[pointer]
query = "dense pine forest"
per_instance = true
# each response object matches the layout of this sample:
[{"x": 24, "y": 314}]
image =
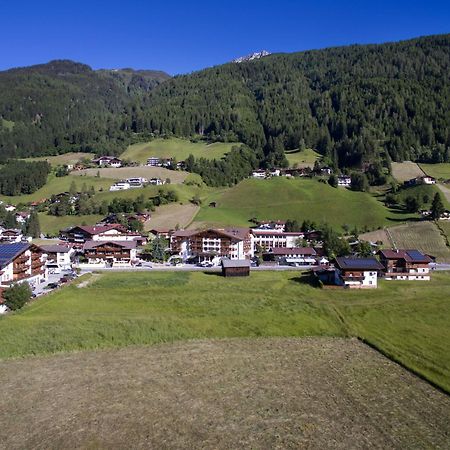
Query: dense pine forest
[
  {"x": 355, "y": 105},
  {"x": 61, "y": 106}
]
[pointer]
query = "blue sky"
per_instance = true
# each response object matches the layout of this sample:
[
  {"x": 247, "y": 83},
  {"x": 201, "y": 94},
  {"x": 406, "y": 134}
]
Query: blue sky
[{"x": 182, "y": 36}]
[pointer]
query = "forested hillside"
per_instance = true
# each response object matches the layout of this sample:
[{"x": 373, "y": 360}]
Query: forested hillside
[
  {"x": 353, "y": 104},
  {"x": 62, "y": 105}
]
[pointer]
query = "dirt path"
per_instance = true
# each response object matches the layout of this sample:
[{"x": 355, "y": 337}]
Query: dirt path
[
  {"x": 221, "y": 394},
  {"x": 445, "y": 191}
]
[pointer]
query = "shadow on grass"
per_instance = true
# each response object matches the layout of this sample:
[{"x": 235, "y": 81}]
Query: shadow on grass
[
  {"x": 305, "y": 279},
  {"x": 217, "y": 274}
]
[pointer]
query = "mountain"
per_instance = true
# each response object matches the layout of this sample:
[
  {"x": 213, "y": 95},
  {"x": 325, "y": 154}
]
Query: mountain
[
  {"x": 355, "y": 105},
  {"x": 252, "y": 56},
  {"x": 64, "y": 105}
]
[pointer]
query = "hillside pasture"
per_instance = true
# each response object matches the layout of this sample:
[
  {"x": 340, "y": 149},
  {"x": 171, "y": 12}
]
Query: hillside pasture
[
  {"x": 56, "y": 185},
  {"x": 234, "y": 393},
  {"x": 302, "y": 158},
  {"x": 176, "y": 148},
  {"x": 406, "y": 170},
  {"x": 167, "y": 217},
  {"x": 64, "y": 159},
  {"x": 51, "y": 225},
  {"x": 121, "y": 173},
  {"x": 424, "y": 236},
  {"x": 440, "y": 171},
  {"x": 281, "y": 198}
]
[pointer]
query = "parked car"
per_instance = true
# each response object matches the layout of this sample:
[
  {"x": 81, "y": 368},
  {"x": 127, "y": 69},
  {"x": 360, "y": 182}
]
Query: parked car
[{"x": 52, "y": 286}]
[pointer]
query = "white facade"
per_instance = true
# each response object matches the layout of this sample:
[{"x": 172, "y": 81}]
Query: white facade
[
  {"x": 120, "y": 186},
  {"x": 418, "y": 274},
  {"x": 275, "y": 238},
  {"x": 114, "y": 235},
  {"x": 368, "y": 280},
  {"x": 259, "y": 174}
]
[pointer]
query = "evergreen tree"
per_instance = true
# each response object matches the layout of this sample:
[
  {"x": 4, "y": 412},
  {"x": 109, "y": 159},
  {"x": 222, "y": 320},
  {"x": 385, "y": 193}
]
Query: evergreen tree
[
  {"x": 437, "y": 207},
  {"x": 33, "y": 227}
]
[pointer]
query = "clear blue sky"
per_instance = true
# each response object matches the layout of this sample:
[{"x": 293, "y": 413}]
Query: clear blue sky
[{"x": 181, "y": 36}]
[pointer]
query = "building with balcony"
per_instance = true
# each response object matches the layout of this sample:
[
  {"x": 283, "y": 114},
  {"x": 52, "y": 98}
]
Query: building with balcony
[
  {"x": 22, "y": 262},
  {"x": 358, "y": 272},
  {"x": 405, "y": 265},
  {"x": 110, "y": 253},
  {"x": 59, "y": 256}
]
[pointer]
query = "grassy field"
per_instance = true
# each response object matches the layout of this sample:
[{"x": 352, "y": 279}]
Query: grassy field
[
  {"x": 425, "y": 236},
  {"x": 175, "y": 176},
  {"x": 439, "y": 171},
  {"x": 221, "y": 394},
  {"x": 445, "y": 227},
  {"x": 406, "y": 170},
  {"x": 65, "y": 158},
  {"x": 8, "y": 124},
  {"x": 56, "y": 185},
  {"x": 167, "y": 217},
  {"x": 175, "y": 147},
  {"x": 408, "y": 320},
  {"x": 305, "y": 158},
  {"x": 281, "y": 198},
  {"x": 51, "y": 225}
]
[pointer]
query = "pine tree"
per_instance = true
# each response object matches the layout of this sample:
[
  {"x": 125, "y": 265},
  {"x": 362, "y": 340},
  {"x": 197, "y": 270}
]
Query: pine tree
[
  {"x": 437, "y": 207},
  {"x": 33, "y": 227}
]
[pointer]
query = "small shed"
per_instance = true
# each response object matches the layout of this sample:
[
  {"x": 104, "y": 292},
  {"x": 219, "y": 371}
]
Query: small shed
[{"x": 235, "y": 268}]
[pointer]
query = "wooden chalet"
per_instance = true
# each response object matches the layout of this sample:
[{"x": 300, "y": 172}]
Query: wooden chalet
[{"x": 235, "y": 268}]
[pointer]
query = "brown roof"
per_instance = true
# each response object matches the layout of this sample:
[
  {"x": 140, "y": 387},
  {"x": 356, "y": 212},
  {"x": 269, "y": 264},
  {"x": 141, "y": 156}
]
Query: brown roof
[
  {"x": 413, "y": 256},
  {"x": 88, "y": 245},
  {"x": 99, "y": 229}
]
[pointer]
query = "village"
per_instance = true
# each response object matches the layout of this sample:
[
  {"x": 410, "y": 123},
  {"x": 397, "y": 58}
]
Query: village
[{"x": 237, "y": 251}]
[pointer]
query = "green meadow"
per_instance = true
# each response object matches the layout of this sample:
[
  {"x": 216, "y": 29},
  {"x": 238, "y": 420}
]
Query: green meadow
[
  {"x": 409, "y": 321},
  {"x": 178, "y": 148},
  {"x": 282, "y": 198},
  {"x": 439, "y": 171},
  {"x": 303, "y": 158}
]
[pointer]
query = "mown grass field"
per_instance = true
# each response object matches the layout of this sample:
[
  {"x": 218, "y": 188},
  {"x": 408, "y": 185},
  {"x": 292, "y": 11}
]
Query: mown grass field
[
  {"x": 261, "y": 393},
  {"x": 281, "y": 198},
  {"x": 408, "y": 320},
  {"x": 425, "y": 236},
  {"x": 439, "y": 171},
  {"x": 176, "y": 148},
  {"x": 304, "y": 158},
  {"x": 121, "y": 173},
  {"x": 406, "y": 170}
]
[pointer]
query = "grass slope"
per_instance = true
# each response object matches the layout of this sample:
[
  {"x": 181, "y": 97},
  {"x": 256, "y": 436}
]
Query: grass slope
[
  {"x": 406, "y": 170},
  {"x": 175, "y": 147},
  {"x": 408, "y": 320},
  {"x": 439, "y": 171},
  {"x": 305, "y": 158},
  {"x": 57, "y": 185},
  {"x": 425, "y": 236},
  {"x": 65, "y": 158},
  {"x": 51, "y": 225},
  {"x": 281, "y": 198}
]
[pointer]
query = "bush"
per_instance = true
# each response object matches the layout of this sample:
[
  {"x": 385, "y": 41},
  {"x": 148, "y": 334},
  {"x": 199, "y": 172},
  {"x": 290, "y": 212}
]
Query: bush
[{"x": 17, "y": 295}]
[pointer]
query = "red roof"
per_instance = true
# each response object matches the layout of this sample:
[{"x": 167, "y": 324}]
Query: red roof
[
  {"x": 123, "y": 244},
  {"x": 99, "y": 229}
]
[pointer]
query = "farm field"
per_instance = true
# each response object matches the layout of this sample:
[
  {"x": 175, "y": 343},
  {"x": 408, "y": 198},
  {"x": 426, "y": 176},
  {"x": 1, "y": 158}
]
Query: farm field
[
  {"x": 425, "y": 236},
  {"x": 305, "y": 158},
  {"x": 406, "y": 170},
  {"x": 57, "y": 185},
  {"x": 445, "y": 227},
  {"x": 121, "y": 173},
  {"x": 65, "y": 158},
  {"x": 167, "y": 217},
  {"x": 233, "y": 393},
  {"x": 51, "y": 225},
  {"x": 281, "y": 198},
  {"x": 408, "y": 320},
  {"x": 178, "y": 148},
  {"x": 439, "y": 171}
]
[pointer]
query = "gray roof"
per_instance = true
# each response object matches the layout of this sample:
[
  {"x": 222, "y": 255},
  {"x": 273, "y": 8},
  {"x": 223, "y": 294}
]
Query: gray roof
[
  {"x": 358, "y": 264},
  {"x": 55, "y": 248},
  {"x": 228, "y": 263}
]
